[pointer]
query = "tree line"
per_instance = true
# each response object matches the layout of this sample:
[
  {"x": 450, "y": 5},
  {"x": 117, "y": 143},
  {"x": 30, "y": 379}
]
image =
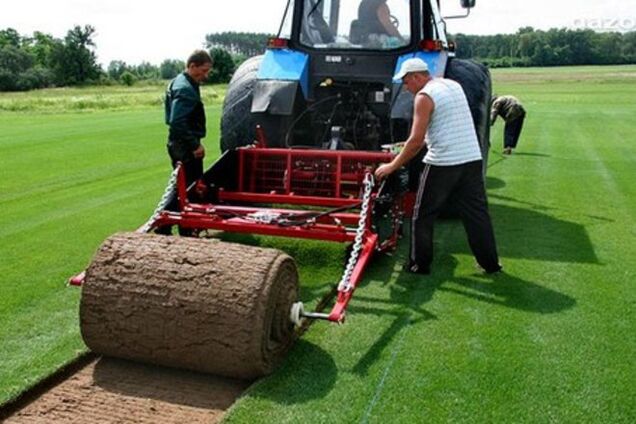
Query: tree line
[
  {"x": 527, "y": 47},
  {"x": 555, "y": 47},
  {"x": 40, "y": 60},
  {"x": 241, "y": 45}
]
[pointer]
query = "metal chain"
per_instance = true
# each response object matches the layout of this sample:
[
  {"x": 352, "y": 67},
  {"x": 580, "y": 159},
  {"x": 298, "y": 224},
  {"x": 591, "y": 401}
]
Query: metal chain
[
  {"x": 168, "y": 196},
  {"x": 344, "y": 284}
]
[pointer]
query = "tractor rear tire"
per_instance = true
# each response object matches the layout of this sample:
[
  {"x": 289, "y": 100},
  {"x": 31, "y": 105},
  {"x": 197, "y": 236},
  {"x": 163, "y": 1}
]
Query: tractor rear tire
[
  {"x": 476, "y": 82},
  {"x": 238, "y": 123},
  {"x": 237, "y": 127},
  {"x": 198, "y": 304}
]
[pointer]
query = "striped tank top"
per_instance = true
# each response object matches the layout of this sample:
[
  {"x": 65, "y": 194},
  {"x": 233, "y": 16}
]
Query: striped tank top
[{"x": 451, "y": 138}]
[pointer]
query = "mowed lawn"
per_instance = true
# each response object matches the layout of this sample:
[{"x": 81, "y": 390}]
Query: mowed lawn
[{"x": 550, "y": 340}]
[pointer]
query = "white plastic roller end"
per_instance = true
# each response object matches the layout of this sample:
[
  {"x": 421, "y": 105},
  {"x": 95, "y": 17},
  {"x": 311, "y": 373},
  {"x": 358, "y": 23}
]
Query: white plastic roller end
[{"x": 296, "y": 313}]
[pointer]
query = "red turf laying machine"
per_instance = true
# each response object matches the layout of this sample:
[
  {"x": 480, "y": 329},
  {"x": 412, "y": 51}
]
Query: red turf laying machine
[
  {"x": 319, "y": 194},
  {"x": 321, "y": 103},
  {"x": 231, "y": 308}
]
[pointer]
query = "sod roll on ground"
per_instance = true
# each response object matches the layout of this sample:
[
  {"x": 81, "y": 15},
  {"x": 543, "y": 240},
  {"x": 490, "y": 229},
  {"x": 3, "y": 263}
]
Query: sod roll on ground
[{"x": 204, "y": 305}]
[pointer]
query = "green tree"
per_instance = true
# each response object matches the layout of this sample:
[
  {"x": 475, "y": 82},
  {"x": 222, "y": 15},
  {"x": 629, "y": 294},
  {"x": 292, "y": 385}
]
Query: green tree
[
  {"x": 36, "y": 77},
  {"x": 17, "y": 72},
  {"x": 628, "y": 50},
  {"x": 609, "y": 48},
  {"x": 128, "y": 78},
  {"x": 15, "y": 60},
  {"x": 10, "y": 37},
  {"x": 549, "y": 48},
  {"x": 246, "y": 43},
  {"x": 116, "y": 68},
  {"x": 527, "y": 44},
  {"x": 40, "y": 46},
  {"x": 74, "y": 61},
  {"x": 223, "y": 66},
  {"x": 464, "y": 45},
  {"x": 582, "y": 46},
  {"x": 146, "y": 70},
  {"x": 170, "y": 68},
  {"x": 238, "y": 59}
]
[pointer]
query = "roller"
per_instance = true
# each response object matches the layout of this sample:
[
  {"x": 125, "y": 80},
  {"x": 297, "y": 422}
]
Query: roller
[{"x": 197, "y": 304}]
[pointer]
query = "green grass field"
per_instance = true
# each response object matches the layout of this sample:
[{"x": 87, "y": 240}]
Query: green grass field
[{"x": 551, "y": 340}]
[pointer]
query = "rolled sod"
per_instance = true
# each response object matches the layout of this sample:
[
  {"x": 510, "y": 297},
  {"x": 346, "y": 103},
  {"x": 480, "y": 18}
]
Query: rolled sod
[{"x": 198, "y": 304}]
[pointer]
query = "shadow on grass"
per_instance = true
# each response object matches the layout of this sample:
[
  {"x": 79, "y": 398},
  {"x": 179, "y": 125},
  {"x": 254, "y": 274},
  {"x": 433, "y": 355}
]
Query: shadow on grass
[
  {"x": 496, "y": 161},
  {"x": 526, "y": 231},
  {"x": 521, "y": 232},
  {"x": 532, "y": 205},
  {"x": 539, "y": 207},
  {"x": 493, "y": 183},
  {"x": 308, "y": 373},
  {"x": 409, "y": 293},
  {"x": 530, "y": 234},
  {"x": 502, "y": 289}
]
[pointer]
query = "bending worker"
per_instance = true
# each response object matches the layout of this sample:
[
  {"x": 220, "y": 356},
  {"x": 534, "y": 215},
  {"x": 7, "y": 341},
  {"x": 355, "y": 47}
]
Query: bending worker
[
  {"x": 512, "y": 112},
  {"x": 452, "y": 167},
  {"x": 185, "y": 115}
]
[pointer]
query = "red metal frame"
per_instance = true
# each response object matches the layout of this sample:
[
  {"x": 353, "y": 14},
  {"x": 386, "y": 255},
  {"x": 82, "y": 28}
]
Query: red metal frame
[{"x": 287, "y": 177}]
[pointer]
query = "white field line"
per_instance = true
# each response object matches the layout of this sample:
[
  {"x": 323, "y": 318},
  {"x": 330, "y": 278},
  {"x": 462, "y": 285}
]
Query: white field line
[{"x": 380, "y": 386}]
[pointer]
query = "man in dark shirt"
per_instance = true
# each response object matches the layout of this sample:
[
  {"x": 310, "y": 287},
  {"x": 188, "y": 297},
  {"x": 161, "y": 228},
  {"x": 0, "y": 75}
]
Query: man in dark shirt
[
  {"x": 375, "y": 18},
  {"x": 513, "y": 113},
  {"x": 185, "y": 115}
]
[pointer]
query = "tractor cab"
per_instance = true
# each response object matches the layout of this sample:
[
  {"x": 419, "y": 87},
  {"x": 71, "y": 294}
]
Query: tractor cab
[
  {"x": 357, "y": 25},
  {"x": 381, "y": 26}
]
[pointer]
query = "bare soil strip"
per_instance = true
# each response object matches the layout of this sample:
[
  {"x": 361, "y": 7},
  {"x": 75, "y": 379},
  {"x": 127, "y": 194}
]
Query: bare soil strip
[
  {"x": 94, "y": 389},
  {"x": 108, "y": 390}
]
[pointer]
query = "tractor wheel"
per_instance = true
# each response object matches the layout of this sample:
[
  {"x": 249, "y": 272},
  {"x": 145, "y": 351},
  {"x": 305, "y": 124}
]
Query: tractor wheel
[
  {"x": 475, "y": 80},
  {"x": 198, "y": 304},
  {"x": 237, "y": 128},
  {"x": 238, "y": 123}
]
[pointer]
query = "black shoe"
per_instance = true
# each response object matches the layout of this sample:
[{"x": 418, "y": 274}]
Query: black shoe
[
  {"x": 494, "y": 270},
  {"x": 414, "y": 268}
]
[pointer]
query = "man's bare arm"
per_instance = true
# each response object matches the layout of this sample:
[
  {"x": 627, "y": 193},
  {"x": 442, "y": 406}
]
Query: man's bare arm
[{"x": 423, "y": 108}]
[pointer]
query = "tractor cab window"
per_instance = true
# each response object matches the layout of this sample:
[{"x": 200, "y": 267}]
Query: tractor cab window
[{"x": 356, "y": 24}]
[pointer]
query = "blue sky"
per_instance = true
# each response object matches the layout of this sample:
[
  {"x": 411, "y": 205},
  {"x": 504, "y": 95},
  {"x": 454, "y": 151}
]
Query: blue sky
[{"x": 153, "y": 30}]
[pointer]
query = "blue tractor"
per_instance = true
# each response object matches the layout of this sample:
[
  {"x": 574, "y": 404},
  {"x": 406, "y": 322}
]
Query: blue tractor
[{"x": 325, "y": 81}]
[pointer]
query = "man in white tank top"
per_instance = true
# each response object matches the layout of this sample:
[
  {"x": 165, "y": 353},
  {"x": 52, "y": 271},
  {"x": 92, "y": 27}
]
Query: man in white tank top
[{"x": 452, "y": 167}]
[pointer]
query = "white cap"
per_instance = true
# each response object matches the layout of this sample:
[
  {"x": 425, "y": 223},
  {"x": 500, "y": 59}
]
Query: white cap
[{"x": 414, "y": 64}]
